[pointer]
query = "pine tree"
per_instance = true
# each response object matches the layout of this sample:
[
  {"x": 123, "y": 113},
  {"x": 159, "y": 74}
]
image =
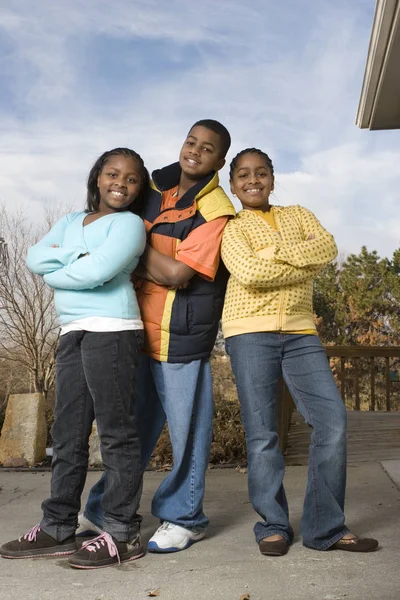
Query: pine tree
[
  {"x": 370, "y": 289},
  {"x": 329, "y": 309}
]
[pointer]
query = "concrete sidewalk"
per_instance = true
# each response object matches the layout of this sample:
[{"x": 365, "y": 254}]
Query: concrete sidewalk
[{"x": 227, "y": 564}]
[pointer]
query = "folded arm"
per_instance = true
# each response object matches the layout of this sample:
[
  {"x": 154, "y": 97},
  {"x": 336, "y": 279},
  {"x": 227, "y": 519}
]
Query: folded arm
[
  {"x": 48, "y": 255},
  {"x": 164, "y": 269},
  {"x": 317, "y": 249},
  {"x": 125, "y": 243},
  {"x": 252, "y": 271},
  {"x": 199, "y": 253}
]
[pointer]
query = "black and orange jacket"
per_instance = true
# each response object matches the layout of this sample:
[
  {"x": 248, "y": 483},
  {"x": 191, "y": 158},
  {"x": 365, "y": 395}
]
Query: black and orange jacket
[{"x": 181, "y": 325}]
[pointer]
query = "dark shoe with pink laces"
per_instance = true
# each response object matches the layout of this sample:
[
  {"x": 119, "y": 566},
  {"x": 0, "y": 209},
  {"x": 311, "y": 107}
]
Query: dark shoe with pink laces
[
  {"x": 36, "y": 543},
  {"x": 106, "y": 551}
]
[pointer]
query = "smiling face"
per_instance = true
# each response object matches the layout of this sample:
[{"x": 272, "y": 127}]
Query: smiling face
[
  {"x": 119, "y": 183},
  {"x": 201, "y": 153},
  {"x": 252, "y": 181}
]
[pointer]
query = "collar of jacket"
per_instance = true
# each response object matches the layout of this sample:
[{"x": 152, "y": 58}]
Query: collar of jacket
[{"x": 169, "y": 176}]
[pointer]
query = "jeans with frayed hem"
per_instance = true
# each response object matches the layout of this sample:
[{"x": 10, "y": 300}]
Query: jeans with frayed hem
[
  {"x": 258, "y": 361},
  {"x": 96, "y": 380}
]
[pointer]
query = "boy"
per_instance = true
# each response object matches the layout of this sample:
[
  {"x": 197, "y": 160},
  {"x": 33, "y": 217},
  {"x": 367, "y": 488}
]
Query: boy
[{"x": 180, "y": 289}]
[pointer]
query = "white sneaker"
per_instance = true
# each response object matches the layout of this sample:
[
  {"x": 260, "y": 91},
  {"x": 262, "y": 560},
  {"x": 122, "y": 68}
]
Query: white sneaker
[
  {"x": 172, "y": 538},
  {"x": 86, "y": 528}
]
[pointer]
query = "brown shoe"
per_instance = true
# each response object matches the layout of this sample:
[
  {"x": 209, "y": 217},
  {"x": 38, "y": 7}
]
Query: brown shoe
[
  {"x": 356, "y": 544},
  {"x": 278, "y": 548}
]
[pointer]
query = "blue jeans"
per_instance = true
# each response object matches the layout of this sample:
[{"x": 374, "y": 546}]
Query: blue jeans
[
  {"x": 258, "y": 361},
  {"x": 95, "y": 379},
  {"x": 180, "y": 393}
]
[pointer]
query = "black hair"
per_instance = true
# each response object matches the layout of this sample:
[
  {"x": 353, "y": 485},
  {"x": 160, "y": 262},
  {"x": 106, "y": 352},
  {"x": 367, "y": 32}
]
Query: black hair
[
  {"x": 219, "y": 129},
  {"x": 265, "y": 156},
  {"x": 93, "y": 194}
]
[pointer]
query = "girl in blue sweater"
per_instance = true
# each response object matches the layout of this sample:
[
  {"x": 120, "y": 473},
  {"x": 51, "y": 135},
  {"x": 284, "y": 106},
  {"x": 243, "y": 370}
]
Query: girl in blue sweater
[{"x": 88, "y": 258}]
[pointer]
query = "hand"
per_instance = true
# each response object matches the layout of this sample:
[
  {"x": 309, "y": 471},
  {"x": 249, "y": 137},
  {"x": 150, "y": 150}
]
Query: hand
[
  {"x": 311, "y": 237},
  {"x": 55, "y": 246}
]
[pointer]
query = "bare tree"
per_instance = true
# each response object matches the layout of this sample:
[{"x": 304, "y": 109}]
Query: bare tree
[
  {"x": 3, "y": 254},
  {"x": 28, "y": 321}
]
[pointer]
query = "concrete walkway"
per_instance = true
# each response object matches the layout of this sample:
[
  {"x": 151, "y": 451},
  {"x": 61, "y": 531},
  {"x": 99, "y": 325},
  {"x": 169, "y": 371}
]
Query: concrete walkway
[{"x": 227, "y": 564}]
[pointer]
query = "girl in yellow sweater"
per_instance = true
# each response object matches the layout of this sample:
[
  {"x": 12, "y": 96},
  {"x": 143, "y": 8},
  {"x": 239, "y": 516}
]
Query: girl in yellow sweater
[{"x": 273, "y": 253}]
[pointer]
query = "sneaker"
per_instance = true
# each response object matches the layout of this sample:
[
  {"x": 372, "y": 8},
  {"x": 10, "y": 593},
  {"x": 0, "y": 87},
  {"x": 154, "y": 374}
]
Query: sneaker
[
  {"x": 86, "y": 528},
  {"x": 173, "y": 538},
  {"x": 37, "y": 543},
  {"x": 105, "y": 551}
]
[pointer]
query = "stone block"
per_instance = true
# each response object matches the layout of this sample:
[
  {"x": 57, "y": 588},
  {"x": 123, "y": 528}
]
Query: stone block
[
  {"x": 24, "y": 431},
  {"x": 15, "y": 463}
]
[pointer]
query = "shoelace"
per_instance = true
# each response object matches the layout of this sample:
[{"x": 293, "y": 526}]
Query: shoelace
[
  {"x": 99, "y": 542},
  {"x": 164, "y": 527},
  {"x": 31, "y": 534}
]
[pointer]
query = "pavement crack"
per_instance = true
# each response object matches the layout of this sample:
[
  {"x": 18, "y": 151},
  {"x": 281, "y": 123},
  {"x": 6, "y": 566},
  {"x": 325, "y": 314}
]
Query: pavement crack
[{"x": 23, "y": 495}]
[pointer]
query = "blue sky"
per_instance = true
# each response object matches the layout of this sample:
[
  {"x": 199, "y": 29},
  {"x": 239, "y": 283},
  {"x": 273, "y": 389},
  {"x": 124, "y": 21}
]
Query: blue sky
[{"x": 79, "y": 77}]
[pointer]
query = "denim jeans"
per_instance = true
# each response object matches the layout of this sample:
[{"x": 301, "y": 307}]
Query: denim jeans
[
  {"x": 258, "y": 361},
  {"x": 95, "y": 379},
  {"x": 180, "y": 393}
]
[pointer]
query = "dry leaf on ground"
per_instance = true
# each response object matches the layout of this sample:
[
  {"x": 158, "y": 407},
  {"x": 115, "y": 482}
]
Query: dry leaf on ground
[
  {"x": 241, "y": 470},
  {"x": 245, "y": 597},
  {"x": 153, "y": 593}
]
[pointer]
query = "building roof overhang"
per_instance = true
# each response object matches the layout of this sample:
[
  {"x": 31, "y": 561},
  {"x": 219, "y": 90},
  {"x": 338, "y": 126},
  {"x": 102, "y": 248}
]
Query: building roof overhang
[{"x": 379, "y": 106}]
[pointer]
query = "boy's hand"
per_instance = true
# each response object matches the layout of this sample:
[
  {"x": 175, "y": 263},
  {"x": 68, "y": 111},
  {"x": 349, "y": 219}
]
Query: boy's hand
[
  {"x": 311, "y": 237},
  {"x": 55, "y": 246}
]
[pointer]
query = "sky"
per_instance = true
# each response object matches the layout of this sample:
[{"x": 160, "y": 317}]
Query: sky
[{"x": 79, "y": 77}]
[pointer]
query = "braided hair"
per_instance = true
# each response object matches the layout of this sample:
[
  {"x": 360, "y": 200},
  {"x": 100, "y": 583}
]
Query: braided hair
[
  {"x": 93, "y": 194},
  {"x": 233, "y": 165}
]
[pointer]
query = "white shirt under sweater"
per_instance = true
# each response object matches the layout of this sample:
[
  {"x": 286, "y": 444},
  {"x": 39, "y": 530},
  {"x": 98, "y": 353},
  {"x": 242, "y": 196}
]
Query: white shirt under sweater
[{"x": 102, "y": 325}]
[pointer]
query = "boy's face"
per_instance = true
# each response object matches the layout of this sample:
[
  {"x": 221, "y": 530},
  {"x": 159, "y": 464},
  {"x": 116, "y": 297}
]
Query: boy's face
[{"x": 201, "y": 153}]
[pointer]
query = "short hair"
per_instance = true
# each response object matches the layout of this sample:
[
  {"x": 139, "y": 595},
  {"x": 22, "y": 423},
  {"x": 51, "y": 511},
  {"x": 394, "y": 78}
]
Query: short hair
[
  {"x": 265, "y": 156},
  {"x": 219, "y": 129},
  {"x": 93, "y": 194}
]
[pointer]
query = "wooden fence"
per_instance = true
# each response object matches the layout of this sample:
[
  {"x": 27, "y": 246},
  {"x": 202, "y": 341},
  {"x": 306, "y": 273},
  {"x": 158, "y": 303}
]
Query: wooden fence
[{"x": 351, "y": 355}]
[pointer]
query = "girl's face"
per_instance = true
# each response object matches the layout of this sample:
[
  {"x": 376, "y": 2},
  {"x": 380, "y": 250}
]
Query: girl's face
[
  {"x": 119, "y": 183},
  {"x": 252, "y": 181}
]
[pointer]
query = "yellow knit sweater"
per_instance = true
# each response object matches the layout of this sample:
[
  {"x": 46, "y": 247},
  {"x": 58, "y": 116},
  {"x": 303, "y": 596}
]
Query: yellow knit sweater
[{"x": 272, "y": 271}]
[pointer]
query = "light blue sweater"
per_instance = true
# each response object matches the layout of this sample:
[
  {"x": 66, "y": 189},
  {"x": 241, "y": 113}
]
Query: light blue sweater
[{"x": 97, "y": 285}]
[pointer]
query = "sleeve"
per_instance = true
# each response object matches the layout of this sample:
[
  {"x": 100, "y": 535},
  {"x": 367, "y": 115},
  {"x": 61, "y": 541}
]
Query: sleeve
[
  {"x": 42, "y": 258},
  {"x": 125, "y": 242},
  {"x": 246, "y": 266},
  {"x": 201, "y": 249},
  {"x": 319, "y": 251}
]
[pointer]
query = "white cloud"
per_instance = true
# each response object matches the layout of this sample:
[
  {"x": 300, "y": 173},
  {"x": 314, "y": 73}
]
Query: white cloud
[
  {"x": 285, "y": 77},
  {"x": 353, "y": 192}
]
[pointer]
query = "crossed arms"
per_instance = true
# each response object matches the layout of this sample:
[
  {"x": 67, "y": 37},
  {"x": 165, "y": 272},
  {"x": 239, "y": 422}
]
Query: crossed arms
[
  {"x": 75, "y": 268},
  {"x": 280, "y": 264}
]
